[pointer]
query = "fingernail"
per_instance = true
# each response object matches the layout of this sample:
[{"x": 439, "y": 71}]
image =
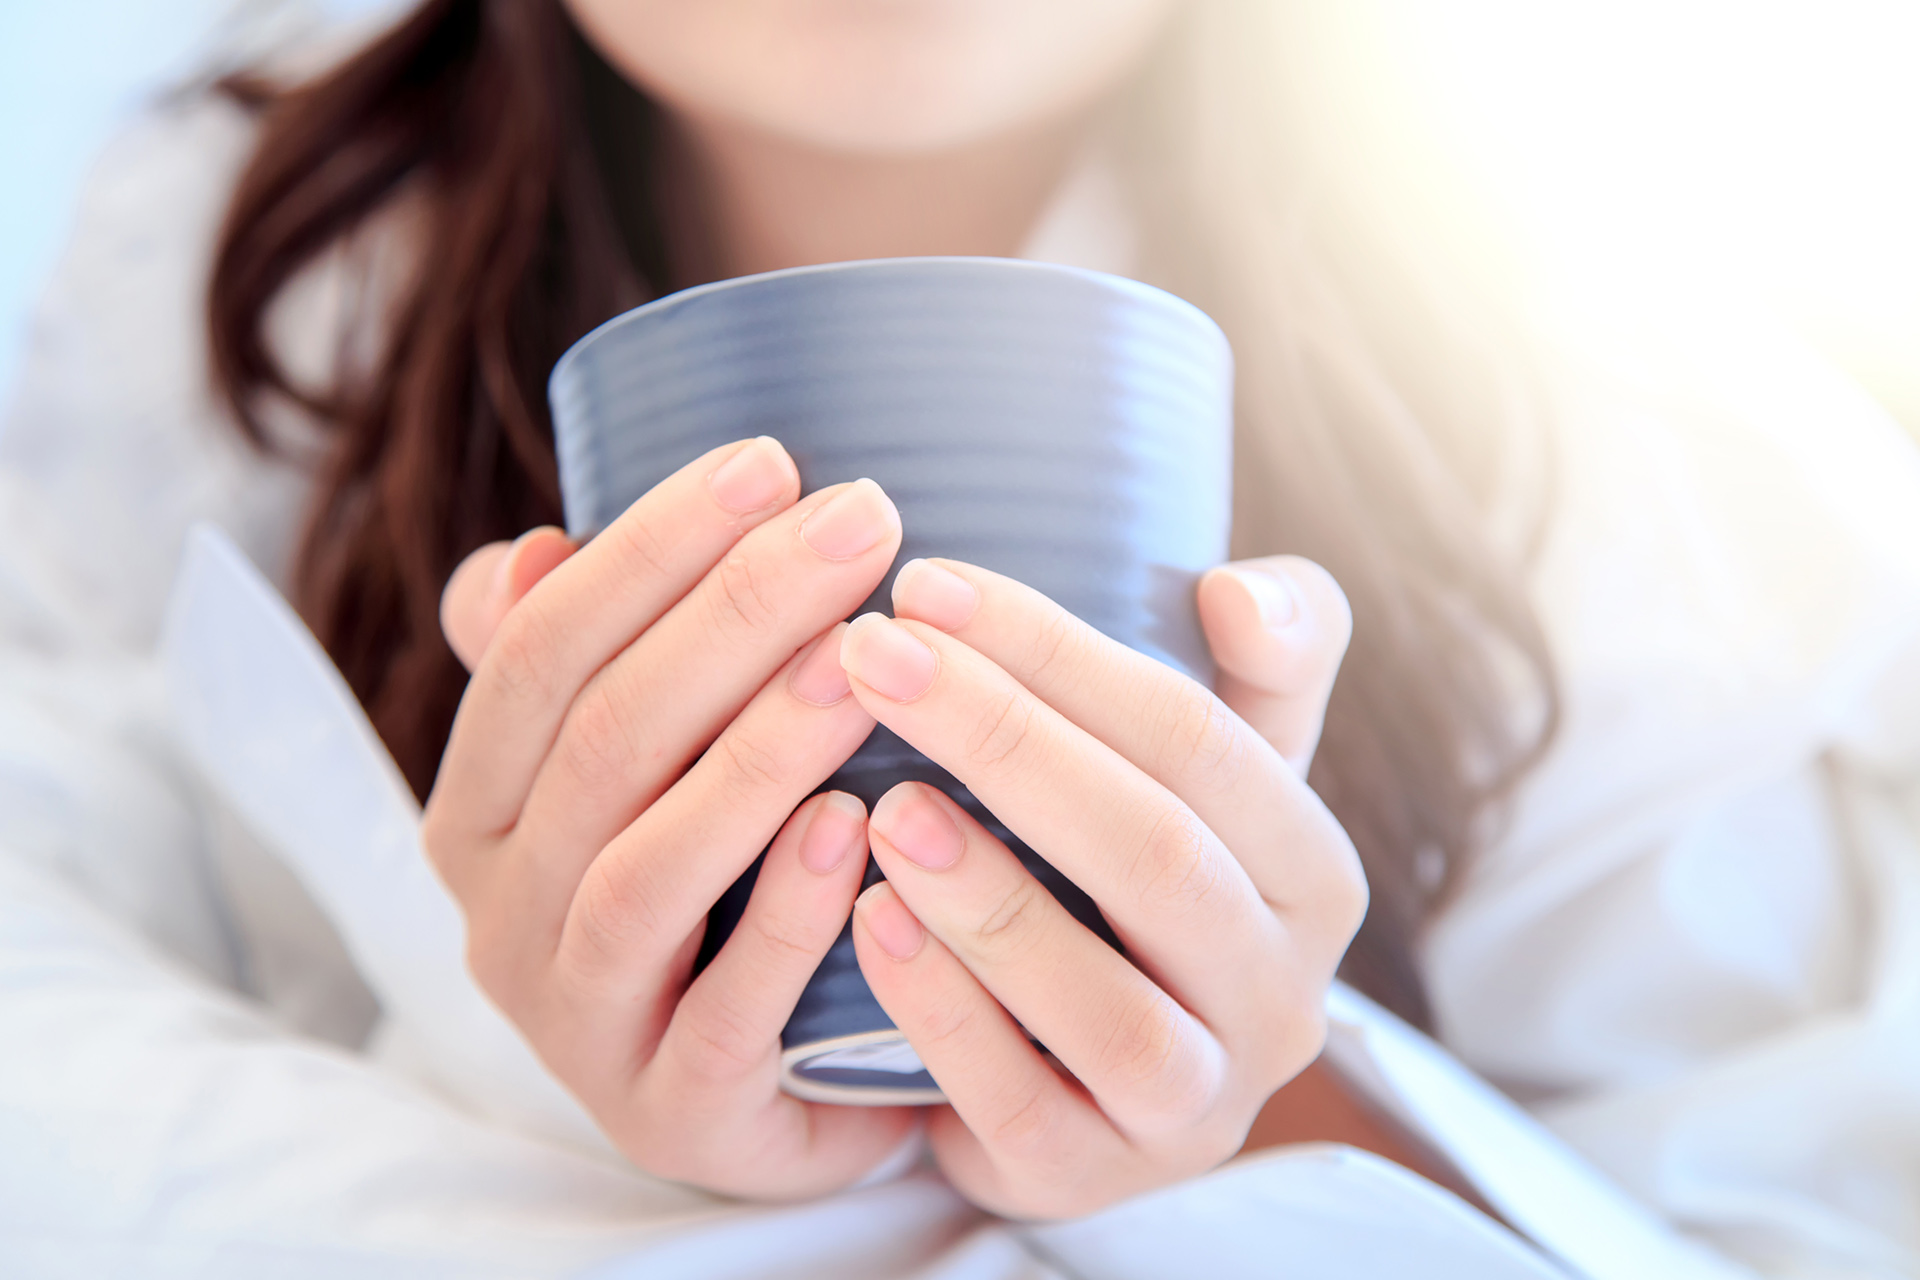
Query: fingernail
[
  {"x": 914, "y": 823},
  {"x": 503, "y": 568},
  {"x": 831, "y": 832},
  {"x": 857, "y": 519},
  {"x": 1273, "y": 597},
  {"x": 887, "y": 658},
  {"x": 890, "y": 923},
  {"x": 934, "y": 594},
  {"x": 757, "y": 474},
  {"x": 502, "y": 572},
  {"x": 818, "y": 677}
]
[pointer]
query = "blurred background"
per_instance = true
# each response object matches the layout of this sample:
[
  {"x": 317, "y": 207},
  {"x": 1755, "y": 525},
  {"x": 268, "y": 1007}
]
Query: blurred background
[
  {"x": 1642, "y": 155},
  {"x": 71, "y": 73}
]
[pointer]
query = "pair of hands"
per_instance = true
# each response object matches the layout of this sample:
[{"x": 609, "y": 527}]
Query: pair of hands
[{"x": 650, "y": 711}]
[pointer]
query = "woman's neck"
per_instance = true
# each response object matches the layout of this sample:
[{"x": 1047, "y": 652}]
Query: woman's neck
[{"x": 760, "y": 202}]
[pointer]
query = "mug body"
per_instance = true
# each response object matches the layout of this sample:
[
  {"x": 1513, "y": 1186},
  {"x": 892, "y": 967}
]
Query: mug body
[{"x": 1068, "y": 429}]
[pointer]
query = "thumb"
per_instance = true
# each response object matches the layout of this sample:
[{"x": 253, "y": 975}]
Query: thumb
[
  {"x": 1278, "y": 628},
  {"x": 490, "y": 581}
]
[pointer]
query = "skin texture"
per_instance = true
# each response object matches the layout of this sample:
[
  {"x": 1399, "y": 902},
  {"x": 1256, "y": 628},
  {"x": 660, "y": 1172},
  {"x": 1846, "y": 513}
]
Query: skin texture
[
  {"x": 1233, "y": 889},
  {"x": 649, "y": 711}
]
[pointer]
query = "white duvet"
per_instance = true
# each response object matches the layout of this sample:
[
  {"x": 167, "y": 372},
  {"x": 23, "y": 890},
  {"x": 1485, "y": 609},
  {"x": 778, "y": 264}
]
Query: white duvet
[{"x": 235, "y": 1037}]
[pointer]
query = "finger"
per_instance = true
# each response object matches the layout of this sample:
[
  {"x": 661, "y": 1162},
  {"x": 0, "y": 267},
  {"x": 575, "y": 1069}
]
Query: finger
[
  {"x": 1019, "y": 1119},
  {"x": 727, "y": 1025},
  {"x": 491, "y": 581},
  {"x": 1164, "y": 881},
  {"x": 1170, "y": 727},
  {"x": 1278, "y": 628},
  {"x": 1150, "y": 1066},
  {"x": 620, "y": 936},
  {"x": 650, "y": 711},
  {"x": 716, "y": 1071},
  {"x": 582, "y": 614}
]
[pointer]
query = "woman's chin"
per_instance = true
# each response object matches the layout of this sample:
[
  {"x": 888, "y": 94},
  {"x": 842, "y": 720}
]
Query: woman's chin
[{"x": 877, "y": 77}]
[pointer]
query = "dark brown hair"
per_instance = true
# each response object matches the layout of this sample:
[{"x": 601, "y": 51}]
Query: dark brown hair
[{"x": 482, "y": 127}]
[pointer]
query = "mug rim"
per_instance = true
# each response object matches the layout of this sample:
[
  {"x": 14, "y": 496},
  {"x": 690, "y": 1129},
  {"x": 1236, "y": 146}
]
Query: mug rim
[{"x": 1126, "y": 285}]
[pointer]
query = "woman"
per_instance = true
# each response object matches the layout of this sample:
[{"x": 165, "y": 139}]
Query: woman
[{"x": 418, "y": 232}]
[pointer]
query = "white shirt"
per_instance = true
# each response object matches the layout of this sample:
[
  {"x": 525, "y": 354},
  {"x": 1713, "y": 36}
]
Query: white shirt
[{"x": 1693, "y": 953}]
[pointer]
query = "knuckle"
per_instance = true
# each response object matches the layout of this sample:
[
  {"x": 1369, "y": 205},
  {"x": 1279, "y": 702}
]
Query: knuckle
[
  {"x": 1140, "y": 1044},
  {"x": 1182, "y": 871},
  {"x": 596, "y": 743},
  {"x": 640, "y": 542},
  {"x": 723, "y": 1042},
  {"x": 788, "y": 941},
  {"x": 1026, "y": 1130},
  {"x": 612, "y": 915},
  {"x": 1150, "y": 1059},
  {"x": 750, "y": 766},
  {"x": 1206, "y": 736},
  {"x": 739, "y": 598},
  {"x": 1002, "y": 731},
  {"x": 523, "y": 663},
  {"x": 1051, "y": 643},
  {"x": 945, "y": 1023},
  {"x": 1010, "y": 922}
]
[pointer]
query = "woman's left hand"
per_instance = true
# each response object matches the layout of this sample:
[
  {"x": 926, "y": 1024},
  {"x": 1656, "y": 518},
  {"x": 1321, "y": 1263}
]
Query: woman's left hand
[{"x": 1183, "y": 814}]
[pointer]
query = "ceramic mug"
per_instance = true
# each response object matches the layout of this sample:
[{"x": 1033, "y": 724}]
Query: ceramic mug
[{"x": 1066, "y": 428}]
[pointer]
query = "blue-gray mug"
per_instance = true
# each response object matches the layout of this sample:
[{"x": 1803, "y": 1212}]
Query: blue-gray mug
[{"x": 1066, "y": 428}]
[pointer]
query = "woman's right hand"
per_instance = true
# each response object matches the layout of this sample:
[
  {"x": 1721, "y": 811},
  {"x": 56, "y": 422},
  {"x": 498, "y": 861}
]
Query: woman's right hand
[{"x": 646, "y": 714}]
